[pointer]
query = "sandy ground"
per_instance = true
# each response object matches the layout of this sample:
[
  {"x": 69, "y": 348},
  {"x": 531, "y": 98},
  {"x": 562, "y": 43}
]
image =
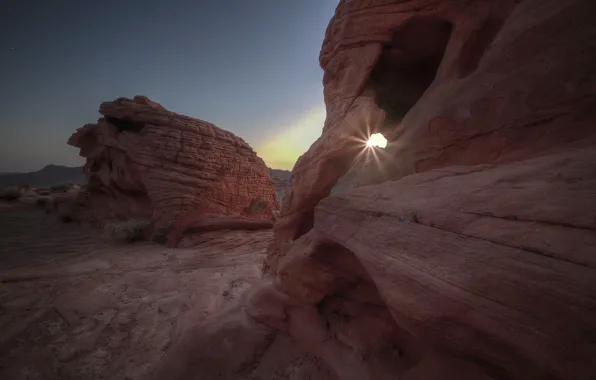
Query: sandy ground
[{"x": 74, "y": 305}]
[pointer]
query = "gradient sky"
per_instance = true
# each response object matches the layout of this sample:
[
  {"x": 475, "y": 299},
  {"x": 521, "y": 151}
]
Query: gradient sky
[{"x": 248, "y": 66}]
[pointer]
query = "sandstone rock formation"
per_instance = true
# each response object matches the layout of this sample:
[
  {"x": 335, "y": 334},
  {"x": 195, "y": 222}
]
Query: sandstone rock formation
[
  {"x": 470, "y": 254},
  {"x": 145, "y": 161},
  {"x": 478, "y": 82}
]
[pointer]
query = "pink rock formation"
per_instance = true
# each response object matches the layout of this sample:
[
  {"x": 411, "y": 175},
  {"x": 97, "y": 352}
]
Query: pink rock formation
[
  {"x": 481, "y": 271},
  {"x": 145, "y": 161},
  {"x": 470, "y": 255},
  {"x": 490, "y": 263},
  {"x": 478, "y": 82}
]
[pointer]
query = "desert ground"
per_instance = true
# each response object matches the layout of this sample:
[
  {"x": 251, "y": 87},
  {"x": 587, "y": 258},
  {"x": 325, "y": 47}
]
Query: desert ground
[
  {"x": 462, "y": 248},
  {"x": 76, "y": 305}
]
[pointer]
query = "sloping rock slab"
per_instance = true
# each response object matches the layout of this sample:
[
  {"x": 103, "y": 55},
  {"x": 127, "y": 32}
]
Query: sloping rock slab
[{"x": 494, "y": 264}]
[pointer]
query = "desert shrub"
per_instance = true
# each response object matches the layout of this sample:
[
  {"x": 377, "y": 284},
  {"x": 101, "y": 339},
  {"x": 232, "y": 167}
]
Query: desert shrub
[
  {"x": 81, "y": 198},
  {"x": 65, "y": 217},
  {"x": 192, "y": 230},
  {"x": 128, "y": 230},
  {"x": 160, "y": 239},
  {"x": 161, "y": 235},
  {"x": 63, "y": 187},
  {"x": 258, "y": 205},
  {"x": 43, "y": 201},
  {"x": 11, "y": 193}
]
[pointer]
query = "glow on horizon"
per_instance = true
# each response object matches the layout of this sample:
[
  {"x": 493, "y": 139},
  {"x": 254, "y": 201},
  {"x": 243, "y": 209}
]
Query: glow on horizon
[{"x": 281, "y": 150}]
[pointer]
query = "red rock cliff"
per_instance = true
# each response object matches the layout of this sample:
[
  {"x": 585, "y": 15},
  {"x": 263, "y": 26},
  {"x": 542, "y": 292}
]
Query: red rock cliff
[{"x": 145, "y": 161}]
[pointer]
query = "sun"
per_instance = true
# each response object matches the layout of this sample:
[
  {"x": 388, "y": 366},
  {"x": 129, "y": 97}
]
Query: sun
[{"x": 376, "y": 139}]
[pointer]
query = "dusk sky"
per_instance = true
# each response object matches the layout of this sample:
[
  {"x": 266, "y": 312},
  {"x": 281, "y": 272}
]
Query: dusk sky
[{"x": 248, "y": 66}]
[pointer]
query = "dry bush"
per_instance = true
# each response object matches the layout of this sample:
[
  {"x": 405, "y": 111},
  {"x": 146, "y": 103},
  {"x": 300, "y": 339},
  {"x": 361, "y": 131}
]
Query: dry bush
[
  {"x": 43, "y": 201},
  {"x": 81, "y": 198},
  {"x": 11, "y": 193},
  {"x": 65, "y": 217},
  {"x": 29, "y": 193},
  {"x": 161, "y": 235},
  {"x": 128, "y": 231},
  {"x": 65, "y": 206},
  {"x": 61, "y": 188},
  {"x": 258, "y": 205}
]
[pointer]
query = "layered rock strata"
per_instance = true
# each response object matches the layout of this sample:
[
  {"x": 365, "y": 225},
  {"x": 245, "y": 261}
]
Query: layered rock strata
[
  {"x": 448, "y": 83},
  {"x": 145, "y": 161},
  {"x": 468, "y": 250}
]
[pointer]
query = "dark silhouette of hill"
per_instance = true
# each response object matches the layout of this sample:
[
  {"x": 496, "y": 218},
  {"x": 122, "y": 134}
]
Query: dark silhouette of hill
[{"x": 48, "y": 176}]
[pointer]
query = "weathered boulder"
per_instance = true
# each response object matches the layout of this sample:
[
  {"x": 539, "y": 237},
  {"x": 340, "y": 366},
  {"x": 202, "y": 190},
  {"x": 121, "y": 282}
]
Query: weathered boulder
[{"x": 145, "y": 161}]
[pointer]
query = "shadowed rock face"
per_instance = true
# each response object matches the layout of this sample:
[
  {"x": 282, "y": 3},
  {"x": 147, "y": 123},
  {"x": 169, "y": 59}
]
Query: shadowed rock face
[
  {"x": 145, "y": 161},
  {"x": 467, "y": 250},
  {"x": 448, "y": 83}
]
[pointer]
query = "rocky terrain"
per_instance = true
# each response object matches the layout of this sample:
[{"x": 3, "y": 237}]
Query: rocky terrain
[
  {"x": 144, "y": 161},
  {"x": 467, "y": 251},
  {"x": 75, "y": 305},
  {"x": 464, "y": 250}
]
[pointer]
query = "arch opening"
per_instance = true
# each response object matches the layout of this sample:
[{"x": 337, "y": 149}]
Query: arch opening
[
  {"x": 376, "y": 140},
  {"x": 125, "y": 125},
  {"x": 405, "y": 70}
]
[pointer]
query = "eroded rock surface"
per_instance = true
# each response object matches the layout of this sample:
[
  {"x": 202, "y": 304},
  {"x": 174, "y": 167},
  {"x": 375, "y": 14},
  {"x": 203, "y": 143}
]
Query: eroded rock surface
[
  {"x": 448, "y": 83},
  {"x": 75, "y": 305},
  {"x": 468, "y": 251},
  {"x": 478, "y": 272},
  {"x": 145, "y": 161},
  {"x": 492, "y": 263}
]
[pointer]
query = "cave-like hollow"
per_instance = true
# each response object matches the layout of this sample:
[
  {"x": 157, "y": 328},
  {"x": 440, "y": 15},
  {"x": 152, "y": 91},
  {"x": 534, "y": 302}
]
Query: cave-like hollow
[
  {"x": 408, "y": 65},
  {"x": 357, "y": 317},
  {"x": 405, "y": 70},
  {"x": 125, "y": 125}
]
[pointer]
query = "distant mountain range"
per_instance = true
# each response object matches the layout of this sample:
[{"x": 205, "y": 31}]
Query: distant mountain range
[
  {"x": 48, "y": 176},
  {"x": 56, "y": 174}
]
